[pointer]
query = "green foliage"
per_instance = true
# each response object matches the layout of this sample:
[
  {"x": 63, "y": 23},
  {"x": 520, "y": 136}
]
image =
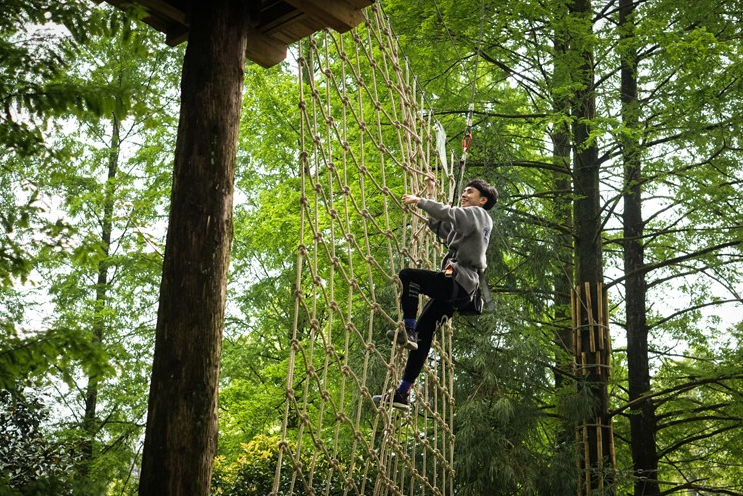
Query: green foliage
[
  {"x": 33, "y": 55},
  {"x": 86, "y": 237},
  {"x": 254, "y": 470},
  {"x": 31, "y": 464},
  {"x": 23, "y": 226},
  {"x": 22, "y": 359},
  {"x": 699, "y": 415}
]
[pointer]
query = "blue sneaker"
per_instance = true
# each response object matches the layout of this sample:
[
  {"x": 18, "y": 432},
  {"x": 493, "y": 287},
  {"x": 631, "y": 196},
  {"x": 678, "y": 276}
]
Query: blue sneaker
[{"x": 398, "y": 400}]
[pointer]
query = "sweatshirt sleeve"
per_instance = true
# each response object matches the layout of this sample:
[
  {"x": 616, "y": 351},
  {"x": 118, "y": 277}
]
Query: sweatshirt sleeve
[{"x": 462, "y": 219}]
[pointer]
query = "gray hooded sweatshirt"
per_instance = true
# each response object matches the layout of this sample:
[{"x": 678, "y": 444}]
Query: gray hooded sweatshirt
[{"x": 466, "y": 231}]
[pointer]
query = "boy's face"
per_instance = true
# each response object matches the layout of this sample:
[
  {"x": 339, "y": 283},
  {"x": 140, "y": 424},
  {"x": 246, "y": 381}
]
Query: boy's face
[{"x": 471, "y": 197}]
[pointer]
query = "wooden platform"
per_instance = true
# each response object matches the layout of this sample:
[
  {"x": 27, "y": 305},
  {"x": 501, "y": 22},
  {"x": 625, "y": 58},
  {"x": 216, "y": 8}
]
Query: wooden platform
[{"x": 275, "y": 24}]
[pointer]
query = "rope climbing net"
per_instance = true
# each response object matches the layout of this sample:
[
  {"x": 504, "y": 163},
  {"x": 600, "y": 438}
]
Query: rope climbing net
[{"x": 365, "y": 140}]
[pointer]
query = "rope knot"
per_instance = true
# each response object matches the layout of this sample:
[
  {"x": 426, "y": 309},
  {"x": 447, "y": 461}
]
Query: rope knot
[{"x": 304, "y": 419}]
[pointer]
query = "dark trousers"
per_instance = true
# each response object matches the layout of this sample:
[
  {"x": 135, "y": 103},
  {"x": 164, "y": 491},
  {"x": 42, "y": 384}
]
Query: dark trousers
[{"x": 440, "y": 288}]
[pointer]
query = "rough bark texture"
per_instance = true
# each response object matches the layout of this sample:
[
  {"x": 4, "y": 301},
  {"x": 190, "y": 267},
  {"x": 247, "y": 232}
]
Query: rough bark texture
[
  {"x": 596, "y": 431},
  {"x": 589, "y": 252},
  {"x": 181, "y": 433},
  {"x": 642, "y": 413},
  {"x": 563, "y": 277}
]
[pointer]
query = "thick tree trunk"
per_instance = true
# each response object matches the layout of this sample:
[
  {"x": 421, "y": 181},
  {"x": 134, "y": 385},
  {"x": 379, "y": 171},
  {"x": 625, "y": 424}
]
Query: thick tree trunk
[
  {"x": 181, "y": 433},
  {"x": 592, "y": 352},
  {"x": 563, "y": 277},
  {"x": 642, "y": 412},
  {"x": 587, "y": 205}
]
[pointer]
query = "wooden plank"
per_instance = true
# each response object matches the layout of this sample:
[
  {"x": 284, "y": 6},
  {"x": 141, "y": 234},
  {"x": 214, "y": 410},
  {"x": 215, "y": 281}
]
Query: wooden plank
[
  {"x": 171, "y": 10},
  {"x": 360, "y": 4},
  {"x": 612, "y": 453},
  {"x": 589, "y": 318},
  {"x": 176, "y": 35},
  {"x": 600, "y": 309},
  {"x": 299, "y": 28},
  {"x": 607, "y": 332},
  {"x": 276, "y": 25},
  {"x": 587, "y": 459},
  {"x": 600, "y": 451},
  {"x": 274, "y": 18},
  {"x": 336, "y": 14},
  {"x": 264, "y": 50}
]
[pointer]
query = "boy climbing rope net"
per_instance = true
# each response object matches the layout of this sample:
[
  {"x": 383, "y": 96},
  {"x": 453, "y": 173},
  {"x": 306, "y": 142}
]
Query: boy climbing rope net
[{"x": 466, "y": 231}]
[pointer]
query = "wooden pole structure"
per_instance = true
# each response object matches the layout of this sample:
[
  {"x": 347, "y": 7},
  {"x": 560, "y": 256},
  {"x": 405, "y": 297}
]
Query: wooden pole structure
[{"x": 592, "y": 352}]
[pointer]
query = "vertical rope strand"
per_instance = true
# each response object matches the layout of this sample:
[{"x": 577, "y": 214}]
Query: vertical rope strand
[{"x": 364, "y": 141}]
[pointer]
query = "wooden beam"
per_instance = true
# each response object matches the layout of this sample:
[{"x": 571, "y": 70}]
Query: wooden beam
[
  {"x": 290, "y": 33},
  {"x": 164, "y": 16},
  {"x": 264, "y": 50},
  {"x": 176, "y": 35},
  {"x": 336, "y": 14},
  {"x": 163, "y": 9},
  {"x": 277, "y": 24},
  {"x": 360, "y": 4}
]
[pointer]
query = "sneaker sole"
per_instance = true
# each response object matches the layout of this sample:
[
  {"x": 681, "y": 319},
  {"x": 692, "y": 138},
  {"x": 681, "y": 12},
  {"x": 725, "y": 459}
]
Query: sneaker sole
[
  {"x": 401, "y": 341},
  {"x": 395, "y": 404}
]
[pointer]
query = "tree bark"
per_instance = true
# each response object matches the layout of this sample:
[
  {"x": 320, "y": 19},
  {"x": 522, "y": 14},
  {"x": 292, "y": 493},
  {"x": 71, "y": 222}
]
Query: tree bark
[
  {"x": 642, "y": 412},
  {"x": 562, "y": 186},
  {"x": 590, "y": 316},
  {"x": 181, "y": 434},
  {"x": 587, "y": 205}
]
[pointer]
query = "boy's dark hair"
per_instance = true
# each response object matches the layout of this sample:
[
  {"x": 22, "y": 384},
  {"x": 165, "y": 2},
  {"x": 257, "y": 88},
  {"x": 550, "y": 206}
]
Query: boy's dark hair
[{"x": 485, "y": 190}]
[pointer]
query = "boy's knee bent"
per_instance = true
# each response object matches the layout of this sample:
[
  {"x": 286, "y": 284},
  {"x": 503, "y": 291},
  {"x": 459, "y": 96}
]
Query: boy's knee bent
[{"x": 405, "y": 275}]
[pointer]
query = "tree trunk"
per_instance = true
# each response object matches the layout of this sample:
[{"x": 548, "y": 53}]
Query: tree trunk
[
  {"x": 90, "y": 426},
  {"x": 564, "y": 272},
  {"x": 588, "y": 249},
  {"x": 642, "y": 413},
  {"x": 181, "y": 434},
  {"x": 592, "y": 353},
  {"x": 563, "y": 277}
]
